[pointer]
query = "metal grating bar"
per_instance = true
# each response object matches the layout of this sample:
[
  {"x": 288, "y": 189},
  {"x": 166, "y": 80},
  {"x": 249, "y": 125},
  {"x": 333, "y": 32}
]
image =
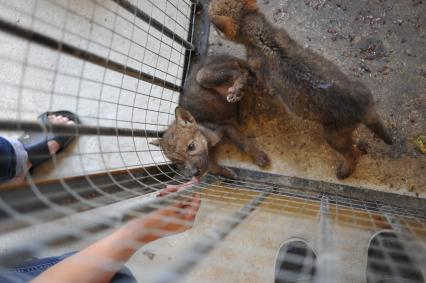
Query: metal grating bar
[
  {"x": 215, "y": 236},
  {"x": 189, "y": 52},
  {"x": 154, "y": 23},
  {"x": 84, "y": 55},
  {"x": 79, "y": 129}
]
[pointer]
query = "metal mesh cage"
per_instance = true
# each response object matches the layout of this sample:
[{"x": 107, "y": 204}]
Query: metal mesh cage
[{"x": 121, "y": 65}]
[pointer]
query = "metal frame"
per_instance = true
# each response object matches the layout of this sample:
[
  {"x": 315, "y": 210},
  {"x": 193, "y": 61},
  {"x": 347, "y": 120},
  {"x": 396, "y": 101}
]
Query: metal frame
[
  {"x": 314, "y": 187},
  {"x": 154, "y": 23},
  {"x": 68, "y": 49},
  {"x": 22, "y": 197}
]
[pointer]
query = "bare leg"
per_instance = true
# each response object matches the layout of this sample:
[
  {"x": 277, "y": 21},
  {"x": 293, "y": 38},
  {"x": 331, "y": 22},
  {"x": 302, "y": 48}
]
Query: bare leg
[
  {"x": 341, "y": 140},
  {"x": 52, "y": 145},
  {"x": 247, "y": 145}
]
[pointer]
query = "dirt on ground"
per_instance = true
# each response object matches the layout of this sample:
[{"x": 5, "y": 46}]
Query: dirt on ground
[{"x": 379, "y": 42}]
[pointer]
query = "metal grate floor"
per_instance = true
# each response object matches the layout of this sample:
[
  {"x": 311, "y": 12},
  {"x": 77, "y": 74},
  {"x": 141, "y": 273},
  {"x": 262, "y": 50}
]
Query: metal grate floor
[{"x": 241, "y": 224}]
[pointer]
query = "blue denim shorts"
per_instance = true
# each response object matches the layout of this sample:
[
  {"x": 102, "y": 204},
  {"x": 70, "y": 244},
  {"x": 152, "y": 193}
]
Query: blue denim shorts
[
  {"x": 13, "y": 159},
  {"x": 31, "y": 269}
]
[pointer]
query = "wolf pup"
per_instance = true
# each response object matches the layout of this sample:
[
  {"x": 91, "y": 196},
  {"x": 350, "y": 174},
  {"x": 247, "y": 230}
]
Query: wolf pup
[
  {"x": 205, "y": 118},
  {"x": 309, "y": 85}
]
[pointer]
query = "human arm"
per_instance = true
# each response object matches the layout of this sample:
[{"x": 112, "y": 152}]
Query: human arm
[{"x": 99, "y": 262}]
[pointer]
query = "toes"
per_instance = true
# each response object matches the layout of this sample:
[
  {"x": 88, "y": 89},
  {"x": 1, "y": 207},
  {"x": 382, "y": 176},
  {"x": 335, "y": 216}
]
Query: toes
[
  {"x": 59, "y": 119},
  {"x": 263, "y": 160},
  {"x": 228, "y": 173},
  {"x": 342, "y": 175},
  {"x": 51, "y": 118},
  {"x": 362, "y": 147},
  {"x": 343, "y": 172},
  {"x": 231, "y": 174},
  {"x": 232, "y": 98},
  {"x": 234, "y": 94}
]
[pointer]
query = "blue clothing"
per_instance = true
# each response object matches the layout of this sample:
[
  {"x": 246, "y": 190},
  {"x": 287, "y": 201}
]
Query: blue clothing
[
  {"x": 7, "y": 160},
  {"x": 30, "y": 270},
  {"x": 13, "y": 159}
]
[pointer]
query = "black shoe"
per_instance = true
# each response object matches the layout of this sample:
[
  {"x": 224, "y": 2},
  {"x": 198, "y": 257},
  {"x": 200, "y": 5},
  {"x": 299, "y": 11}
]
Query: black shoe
[
  {"x": 295, "y": 263},
  {"x": 389, "y": 262}
]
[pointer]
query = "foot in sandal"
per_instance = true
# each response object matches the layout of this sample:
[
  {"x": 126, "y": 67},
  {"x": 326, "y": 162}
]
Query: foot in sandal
[{"x": 42, "y": 146}]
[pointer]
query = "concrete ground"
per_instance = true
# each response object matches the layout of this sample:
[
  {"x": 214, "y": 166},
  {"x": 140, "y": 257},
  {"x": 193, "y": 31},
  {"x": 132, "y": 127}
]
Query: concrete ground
[{"x": 380, "y": 43}]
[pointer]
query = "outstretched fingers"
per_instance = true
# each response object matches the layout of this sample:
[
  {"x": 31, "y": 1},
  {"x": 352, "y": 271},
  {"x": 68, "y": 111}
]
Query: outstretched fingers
[
  {"x": 177, "y": 188},
  {"x": 191, "y": 207}
]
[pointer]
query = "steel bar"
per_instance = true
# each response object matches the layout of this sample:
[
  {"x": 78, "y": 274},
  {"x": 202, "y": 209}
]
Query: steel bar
[
  {"x": 210, "y": 241},
  {"x": 154, "y": 23},
  {"x": 73, "y": 51},
  {"x": 71, "y": 130}
]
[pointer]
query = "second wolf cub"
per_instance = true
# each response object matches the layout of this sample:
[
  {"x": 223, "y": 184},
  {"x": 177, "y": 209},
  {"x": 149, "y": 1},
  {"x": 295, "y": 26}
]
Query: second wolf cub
[{"x": 309, "y": 85}]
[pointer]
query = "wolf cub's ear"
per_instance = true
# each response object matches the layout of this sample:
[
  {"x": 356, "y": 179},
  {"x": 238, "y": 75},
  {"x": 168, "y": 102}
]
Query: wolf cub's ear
[
  {"x": 156, "y": 142},
  {"x": 184, "y": 118},
  {"x": 251, "y": 5},
  {"x": 226, "y": 25}
]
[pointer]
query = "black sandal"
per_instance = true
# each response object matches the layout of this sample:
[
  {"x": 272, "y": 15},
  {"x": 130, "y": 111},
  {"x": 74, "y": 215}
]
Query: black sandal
[
  {"x": 295, "y": 263},
  {"x": 36, "y": 143},
  {"x": 389, "y": 262}
]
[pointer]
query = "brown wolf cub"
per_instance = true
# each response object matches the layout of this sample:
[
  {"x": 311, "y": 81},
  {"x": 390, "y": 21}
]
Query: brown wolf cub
[
  {"x": 309, "y": 85},
  {"x": 205, "y": 118}
]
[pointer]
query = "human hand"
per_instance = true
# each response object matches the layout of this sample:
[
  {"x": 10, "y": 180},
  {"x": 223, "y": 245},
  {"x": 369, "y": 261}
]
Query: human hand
[
  {"x": 170, "y": 220},
  {"x": 180, "y": 187},
  {"x": 94, "y": 263}
]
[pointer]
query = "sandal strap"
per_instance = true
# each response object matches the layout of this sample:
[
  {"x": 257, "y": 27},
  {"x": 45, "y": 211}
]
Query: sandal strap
[
  {"x": 37, "y": 149},
  {"x": 36, "y": 144},
  {"x": 63, "y": 141}
]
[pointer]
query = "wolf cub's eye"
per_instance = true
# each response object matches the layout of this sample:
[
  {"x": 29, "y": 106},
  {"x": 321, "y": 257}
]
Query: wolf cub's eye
[{"x": 191, "y": 146}]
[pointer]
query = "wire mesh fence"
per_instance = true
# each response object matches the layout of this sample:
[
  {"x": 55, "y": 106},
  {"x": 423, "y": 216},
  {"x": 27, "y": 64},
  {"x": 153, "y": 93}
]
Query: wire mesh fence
[
  {"x": 120, "y": 66},
  {"x": 113, "y": 63}
]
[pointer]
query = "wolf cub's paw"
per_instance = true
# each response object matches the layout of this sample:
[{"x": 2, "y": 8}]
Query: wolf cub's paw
[
  {"x": 262, "y": 159},
  {"x": 343, "y": 171},
  {"x": 234, "y": 94},
  {"x": 362, "y": 146},
  {"x": 228, "y": 173}
]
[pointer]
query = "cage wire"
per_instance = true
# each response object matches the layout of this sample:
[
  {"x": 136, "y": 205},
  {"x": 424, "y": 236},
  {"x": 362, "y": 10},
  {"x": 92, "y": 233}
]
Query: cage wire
[{"x": 120, "y": 65}]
